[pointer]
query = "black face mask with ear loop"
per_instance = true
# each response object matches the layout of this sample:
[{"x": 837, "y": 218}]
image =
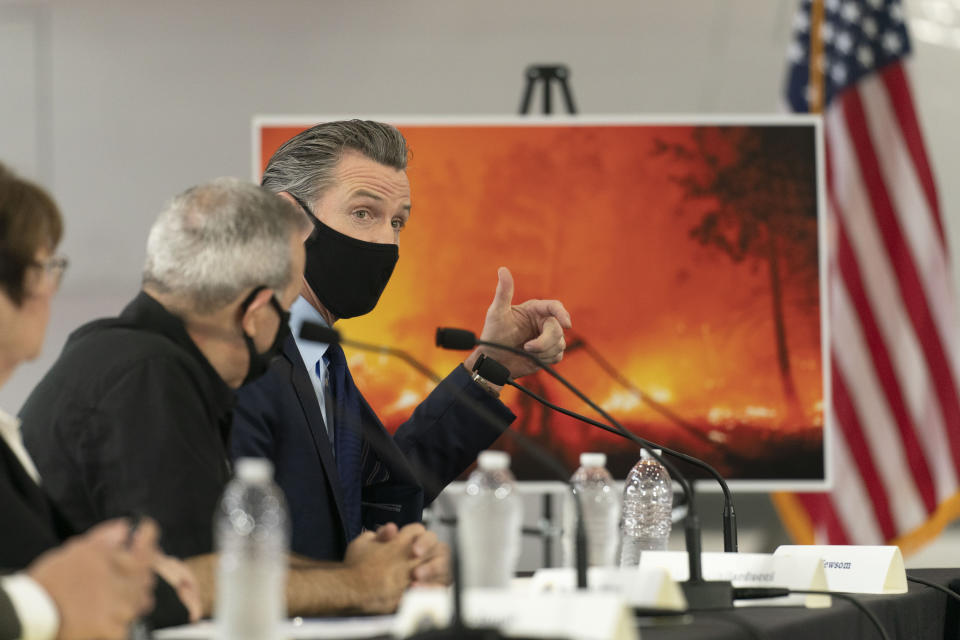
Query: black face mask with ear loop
[
  {"x": 260, "y": 362},
  {"x": 347, "y": 275}
]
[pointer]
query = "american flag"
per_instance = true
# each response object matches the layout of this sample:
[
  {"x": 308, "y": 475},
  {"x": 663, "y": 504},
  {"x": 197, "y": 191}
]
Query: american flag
[{"x": 893, "y": 326}]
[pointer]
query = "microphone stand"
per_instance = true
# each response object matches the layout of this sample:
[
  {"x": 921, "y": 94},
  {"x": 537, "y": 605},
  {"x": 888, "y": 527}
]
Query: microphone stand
[
  {"x": 579, "y": 342},
  {"x": 729, "y": 516},
  {"x": 701, "y": 595}
]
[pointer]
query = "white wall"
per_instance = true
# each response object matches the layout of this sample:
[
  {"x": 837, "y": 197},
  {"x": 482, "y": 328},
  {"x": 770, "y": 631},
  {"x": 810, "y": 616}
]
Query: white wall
[
  {"x": 115, "y": 105},
  {"x": 132, "y": 101},
  {"x": 147, "y": 97}
]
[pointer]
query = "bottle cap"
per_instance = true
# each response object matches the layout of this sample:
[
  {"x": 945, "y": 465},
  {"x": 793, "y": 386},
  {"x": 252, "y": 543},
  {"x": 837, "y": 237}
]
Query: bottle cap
[
  {"x": 254, "y": 470},
  {"x": 592, "y": 459},
  {"x": 493, "y": 460},
  {"x": 645, "y": 455}
]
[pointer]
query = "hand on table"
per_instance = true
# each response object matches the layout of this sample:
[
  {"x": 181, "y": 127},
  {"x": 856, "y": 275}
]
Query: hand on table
[
  {"x": 179, "y": 576},
  {"x": 98, "y": 584}
]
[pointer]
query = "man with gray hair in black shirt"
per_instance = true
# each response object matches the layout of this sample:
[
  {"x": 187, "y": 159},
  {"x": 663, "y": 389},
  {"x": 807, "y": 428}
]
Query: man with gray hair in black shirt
[{"x": 135, "y": 414}]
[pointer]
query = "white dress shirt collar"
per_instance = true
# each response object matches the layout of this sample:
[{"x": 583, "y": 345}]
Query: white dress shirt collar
[{"x": 302, "y": 311}]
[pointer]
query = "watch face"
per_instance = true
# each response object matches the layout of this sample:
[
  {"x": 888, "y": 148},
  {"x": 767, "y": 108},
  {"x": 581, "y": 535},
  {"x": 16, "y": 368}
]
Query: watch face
[{"x": 476, "y": 365}]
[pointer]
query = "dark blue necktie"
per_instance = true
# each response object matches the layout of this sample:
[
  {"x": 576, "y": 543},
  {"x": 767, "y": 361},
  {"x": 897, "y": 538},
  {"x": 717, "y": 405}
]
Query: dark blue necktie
[{"x": 348, "y": 441}]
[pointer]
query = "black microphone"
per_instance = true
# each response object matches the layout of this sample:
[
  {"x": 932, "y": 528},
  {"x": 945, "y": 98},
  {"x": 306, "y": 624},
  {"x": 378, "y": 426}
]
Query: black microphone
[
  {"x": 319, "y": 333},
  {"x": 457, "y": 339},
  {"x": 700, "y": 594},
  {"x": 315, "y": 332}
]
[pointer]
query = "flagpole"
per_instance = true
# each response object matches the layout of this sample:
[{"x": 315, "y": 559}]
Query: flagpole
[
  {"x": 794, "y": 516},
  {"x": 817, "y": 59}
]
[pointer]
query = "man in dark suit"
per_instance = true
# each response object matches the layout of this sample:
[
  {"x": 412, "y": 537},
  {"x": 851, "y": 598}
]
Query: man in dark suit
[{"x": 341, "y": 471}]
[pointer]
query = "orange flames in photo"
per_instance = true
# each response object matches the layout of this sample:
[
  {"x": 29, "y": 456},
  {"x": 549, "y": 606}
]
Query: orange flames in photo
[{"x": 687, "y": 264}]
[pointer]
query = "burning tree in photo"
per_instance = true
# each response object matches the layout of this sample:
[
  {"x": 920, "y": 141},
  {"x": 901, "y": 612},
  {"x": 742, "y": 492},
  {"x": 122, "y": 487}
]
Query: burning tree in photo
[{"x": 760, "y": 186}]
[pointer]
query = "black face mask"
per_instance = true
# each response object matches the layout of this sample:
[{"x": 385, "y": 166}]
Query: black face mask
[
  {"x": 347, "y": 275},
  {"x": 260, "y": 362}
]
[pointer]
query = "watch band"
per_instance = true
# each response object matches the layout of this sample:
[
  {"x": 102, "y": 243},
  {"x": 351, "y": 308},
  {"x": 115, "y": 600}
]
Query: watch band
[{"x": 485, "y": 384}]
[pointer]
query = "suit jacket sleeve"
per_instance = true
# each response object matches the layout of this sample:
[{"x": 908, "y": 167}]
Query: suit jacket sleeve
[
  {"x": 27, "y": 530},
  {"x": 444, "y": 435}
]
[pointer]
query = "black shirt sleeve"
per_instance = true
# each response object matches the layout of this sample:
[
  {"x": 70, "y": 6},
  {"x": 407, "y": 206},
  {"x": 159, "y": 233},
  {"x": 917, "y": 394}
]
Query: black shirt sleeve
[
  {"x": 27, "y": 529},
  {"x": 146, "y": 445}
]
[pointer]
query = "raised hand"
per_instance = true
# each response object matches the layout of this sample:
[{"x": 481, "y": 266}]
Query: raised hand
[{"x": 536, "y": 326}]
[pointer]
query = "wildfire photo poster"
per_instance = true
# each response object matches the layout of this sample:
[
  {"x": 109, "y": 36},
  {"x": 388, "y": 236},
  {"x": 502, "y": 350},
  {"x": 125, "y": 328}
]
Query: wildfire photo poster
[{"x": 686, "y": 251}]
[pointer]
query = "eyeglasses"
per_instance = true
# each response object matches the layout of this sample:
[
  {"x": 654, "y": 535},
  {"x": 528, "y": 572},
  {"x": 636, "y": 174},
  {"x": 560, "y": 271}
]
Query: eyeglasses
[{"x": 53, "y": 268}]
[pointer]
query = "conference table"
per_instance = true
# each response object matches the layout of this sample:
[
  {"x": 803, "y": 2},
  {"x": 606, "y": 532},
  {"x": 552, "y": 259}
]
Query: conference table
[{"x": 923, "y": 613}]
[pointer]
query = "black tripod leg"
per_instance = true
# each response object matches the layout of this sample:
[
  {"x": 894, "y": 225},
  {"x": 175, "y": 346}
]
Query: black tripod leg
[
  {"x": 567, "y": 94},
  {"x": 547, "y": 89},
  {"x": 532, "y": 76}
]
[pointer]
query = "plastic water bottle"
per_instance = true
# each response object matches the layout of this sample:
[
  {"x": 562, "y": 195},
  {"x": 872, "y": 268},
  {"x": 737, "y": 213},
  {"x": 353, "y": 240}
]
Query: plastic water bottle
[
  {"x": 252, "y": 535},
  {"x": 601, "y": 512},
  {"x": 647, "y": 503},
  {"x": 489, "y": 519}
]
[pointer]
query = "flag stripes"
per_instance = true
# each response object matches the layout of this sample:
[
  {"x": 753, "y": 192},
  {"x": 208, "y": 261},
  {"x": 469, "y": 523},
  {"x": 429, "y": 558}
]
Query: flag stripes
[{"x": 893, "y": 361}]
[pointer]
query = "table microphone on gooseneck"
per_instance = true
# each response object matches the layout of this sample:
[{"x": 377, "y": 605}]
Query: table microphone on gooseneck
[
  {"x": 729, "y": 520},
  {"x": 700, "y": 594},
  {"x": 489, "y": 370}
]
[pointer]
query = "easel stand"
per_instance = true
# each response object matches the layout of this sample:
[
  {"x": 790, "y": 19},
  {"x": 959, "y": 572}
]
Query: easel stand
[{"x": 547, "y": 75}]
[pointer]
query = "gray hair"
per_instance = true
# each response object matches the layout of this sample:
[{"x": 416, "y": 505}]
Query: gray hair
[
  {"x": 304, "y": 165},
  {"x": 216, "y": 240}
]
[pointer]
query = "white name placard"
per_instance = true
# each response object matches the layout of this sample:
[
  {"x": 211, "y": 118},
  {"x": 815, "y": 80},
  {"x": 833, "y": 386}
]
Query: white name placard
[
  {"x": 588, "y": 615},
  {"x": 644, "y": 588},
  {"x": 856, "y": 568},
  {"x": 751, "y": 570}
]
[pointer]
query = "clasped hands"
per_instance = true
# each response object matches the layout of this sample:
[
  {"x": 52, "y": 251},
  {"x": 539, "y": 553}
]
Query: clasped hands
[{"x": 391, "y": 559}]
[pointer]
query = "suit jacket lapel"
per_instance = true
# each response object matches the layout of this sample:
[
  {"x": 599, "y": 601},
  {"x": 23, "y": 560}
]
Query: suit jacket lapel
[
  {"x": 31, "y": 492},
  {"x": 314, "y": 419}
]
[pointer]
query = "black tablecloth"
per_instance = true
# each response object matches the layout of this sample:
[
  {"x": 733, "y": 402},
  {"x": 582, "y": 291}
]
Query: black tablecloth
[{"x": 923, "y": 613}]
